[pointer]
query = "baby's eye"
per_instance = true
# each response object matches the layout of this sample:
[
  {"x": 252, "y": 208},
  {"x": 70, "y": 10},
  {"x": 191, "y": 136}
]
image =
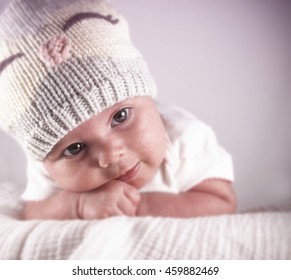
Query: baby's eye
[
  {"x": 74, "y": 149},
  {"x": 120, "y": 117}
]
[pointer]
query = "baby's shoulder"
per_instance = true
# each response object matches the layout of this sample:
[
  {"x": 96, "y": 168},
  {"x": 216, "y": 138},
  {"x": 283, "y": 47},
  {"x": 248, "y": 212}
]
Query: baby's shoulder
[{"x": 182, "y": 127}]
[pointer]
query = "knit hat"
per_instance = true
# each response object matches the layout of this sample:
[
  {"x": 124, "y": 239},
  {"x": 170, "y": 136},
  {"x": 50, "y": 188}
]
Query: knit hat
[{"x": 62, "y": 62}]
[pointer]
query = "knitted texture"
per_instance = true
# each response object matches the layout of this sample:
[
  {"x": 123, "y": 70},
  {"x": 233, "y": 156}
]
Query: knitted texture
[{"x": 62, "y": 62}]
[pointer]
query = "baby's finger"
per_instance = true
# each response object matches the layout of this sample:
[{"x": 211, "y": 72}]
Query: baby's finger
[
  {"x": 126, "y": 207},
  {"x": 132, "y": 194}
]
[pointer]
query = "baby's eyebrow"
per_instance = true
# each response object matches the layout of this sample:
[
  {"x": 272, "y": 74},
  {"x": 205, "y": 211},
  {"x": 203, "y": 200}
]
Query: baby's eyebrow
[
  {"x": 4, "y": 63},
  {"x": 81, "y": 16}
]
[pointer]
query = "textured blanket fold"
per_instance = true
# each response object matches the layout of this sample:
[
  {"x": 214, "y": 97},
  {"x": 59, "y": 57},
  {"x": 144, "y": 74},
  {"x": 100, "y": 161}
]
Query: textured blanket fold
[{"x": 259, "y": 235}]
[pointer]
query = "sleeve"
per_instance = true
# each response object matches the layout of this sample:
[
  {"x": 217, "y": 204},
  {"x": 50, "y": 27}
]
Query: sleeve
[
  {"x": 200, "y": 156},
  {"x": 39, "y": 185}
]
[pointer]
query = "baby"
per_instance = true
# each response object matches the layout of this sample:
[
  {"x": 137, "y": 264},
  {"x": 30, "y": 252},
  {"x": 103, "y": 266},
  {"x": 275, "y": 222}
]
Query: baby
[{"x": 79, "y": 98}]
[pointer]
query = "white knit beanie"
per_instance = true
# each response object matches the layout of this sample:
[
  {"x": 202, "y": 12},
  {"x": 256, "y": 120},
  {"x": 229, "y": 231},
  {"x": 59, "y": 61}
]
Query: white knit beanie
[{"x": 61, "y": 62}]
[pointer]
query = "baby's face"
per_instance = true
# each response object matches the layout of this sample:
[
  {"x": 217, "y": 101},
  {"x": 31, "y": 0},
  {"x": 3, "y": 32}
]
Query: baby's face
[{"x": 126, "y": 142}]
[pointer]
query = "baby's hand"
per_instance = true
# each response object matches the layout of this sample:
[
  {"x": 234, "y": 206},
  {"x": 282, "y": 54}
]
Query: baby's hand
[{"x": 112, "y": 199}]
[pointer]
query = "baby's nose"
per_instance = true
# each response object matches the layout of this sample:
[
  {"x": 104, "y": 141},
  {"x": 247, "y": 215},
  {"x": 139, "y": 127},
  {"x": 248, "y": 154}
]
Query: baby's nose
[{"x": 110, "y": 154}]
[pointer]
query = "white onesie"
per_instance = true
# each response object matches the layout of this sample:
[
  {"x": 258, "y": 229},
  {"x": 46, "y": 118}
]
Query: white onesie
[{"x": 193, "y": 155}]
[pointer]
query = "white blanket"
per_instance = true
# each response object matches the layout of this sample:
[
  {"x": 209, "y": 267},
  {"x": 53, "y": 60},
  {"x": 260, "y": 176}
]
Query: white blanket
[{"x": 265, "y": 234}]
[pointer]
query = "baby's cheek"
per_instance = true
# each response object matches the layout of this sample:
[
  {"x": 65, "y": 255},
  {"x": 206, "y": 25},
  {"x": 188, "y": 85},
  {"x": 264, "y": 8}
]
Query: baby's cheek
[
  {"x": 78, "y": 183},
  {"x": 67, "y": 181},
  {"x": 154, "y": 150}
]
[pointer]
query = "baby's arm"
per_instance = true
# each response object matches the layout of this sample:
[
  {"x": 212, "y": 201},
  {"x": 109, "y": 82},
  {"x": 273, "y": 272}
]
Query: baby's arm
[
  {"x": 210, "y": 197},
  {"x": 112, "y": 199}
]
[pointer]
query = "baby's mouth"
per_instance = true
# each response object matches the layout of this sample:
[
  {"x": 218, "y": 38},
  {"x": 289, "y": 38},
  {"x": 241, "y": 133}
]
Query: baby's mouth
[{"x": 129, "y": 174}]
